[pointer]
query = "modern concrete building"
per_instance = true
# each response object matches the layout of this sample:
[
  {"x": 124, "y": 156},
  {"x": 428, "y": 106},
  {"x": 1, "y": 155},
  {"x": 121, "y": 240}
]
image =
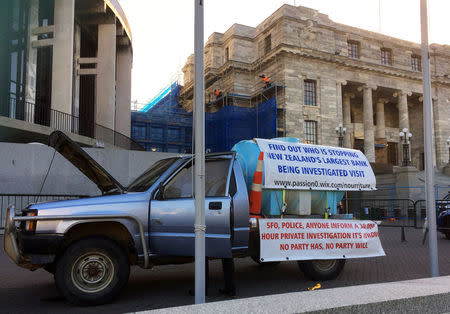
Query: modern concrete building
[
  {"x": 333, "y": 74},
  {"x": 65, "y": 64}
]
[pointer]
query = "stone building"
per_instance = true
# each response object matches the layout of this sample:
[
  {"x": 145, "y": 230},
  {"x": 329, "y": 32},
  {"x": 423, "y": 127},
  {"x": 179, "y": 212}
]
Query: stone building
[
  {"x": 329, "y": 73},
  {"x": 67, "y": 66}
]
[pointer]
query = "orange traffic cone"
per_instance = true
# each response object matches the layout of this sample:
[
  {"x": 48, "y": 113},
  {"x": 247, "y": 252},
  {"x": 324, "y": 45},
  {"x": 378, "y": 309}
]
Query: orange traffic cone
[{"x": 256, "y": 190}]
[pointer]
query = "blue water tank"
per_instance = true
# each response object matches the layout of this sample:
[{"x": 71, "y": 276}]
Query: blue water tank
[{"x": 247, "y": 153}]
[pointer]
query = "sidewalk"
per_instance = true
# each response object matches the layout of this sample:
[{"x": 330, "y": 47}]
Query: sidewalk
[{"x": 430, "y": 295}]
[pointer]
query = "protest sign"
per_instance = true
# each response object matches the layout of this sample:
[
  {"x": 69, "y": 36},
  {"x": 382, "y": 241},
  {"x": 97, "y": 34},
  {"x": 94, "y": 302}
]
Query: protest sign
[
  {"x": 298, "y": 166},
  {"x": 310, "y": 239}
]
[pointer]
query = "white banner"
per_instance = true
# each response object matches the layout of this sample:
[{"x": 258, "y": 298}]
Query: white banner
[
  {"x": 309, "y": 239},
  {"x": 296, "y": 166}
]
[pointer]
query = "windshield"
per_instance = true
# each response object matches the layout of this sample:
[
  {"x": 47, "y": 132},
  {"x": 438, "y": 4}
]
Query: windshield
[{"x": 146, "y": 180}]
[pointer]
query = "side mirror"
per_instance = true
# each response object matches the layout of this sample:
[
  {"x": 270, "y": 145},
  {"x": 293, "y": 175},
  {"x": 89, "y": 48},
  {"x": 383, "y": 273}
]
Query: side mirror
[{"x": 160, "y": 195}]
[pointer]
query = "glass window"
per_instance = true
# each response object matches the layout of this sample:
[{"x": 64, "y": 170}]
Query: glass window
[
  {"x": 188, "y": 135},
  {"x": 181, "y": 186},
  {"x": 309, "y": 93},
  {"x": 416, "y": 63},
  {"x": 138, "y": 131},
  {"x": 267, "y": 44},
  {"x": 353, "y": 49},
  {"x": 157, "y": 133},
  {"x": 310, "y": 132},
  {"x": 14, "y": 35},
  {"x": 173, "y": 135},
  {"x": 46, "y": 12},
  {"x": 386, "y": 56},
  {"x": 146, "y": 180},
  {"x": 227, "y": 54}
]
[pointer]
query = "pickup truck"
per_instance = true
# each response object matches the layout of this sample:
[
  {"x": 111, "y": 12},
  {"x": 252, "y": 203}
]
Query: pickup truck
[{"x": 90, "y": 243}]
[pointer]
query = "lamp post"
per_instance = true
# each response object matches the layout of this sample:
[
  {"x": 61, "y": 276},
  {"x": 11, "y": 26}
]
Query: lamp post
[
  {"x": 448, "y": 144},
  {"x": 340, "y": 131},
  {"x": 405, "y": 138}
]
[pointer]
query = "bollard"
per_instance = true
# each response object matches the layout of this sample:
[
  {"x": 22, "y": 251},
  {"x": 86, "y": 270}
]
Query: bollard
[{"x": 403, "y": 234}]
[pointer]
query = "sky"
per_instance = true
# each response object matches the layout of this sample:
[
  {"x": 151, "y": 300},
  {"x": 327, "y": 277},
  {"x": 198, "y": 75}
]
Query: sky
[{"x": 163, "y": 31}]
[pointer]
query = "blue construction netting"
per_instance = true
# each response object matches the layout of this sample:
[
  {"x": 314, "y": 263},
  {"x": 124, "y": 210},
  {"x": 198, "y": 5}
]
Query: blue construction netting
[
  {"x": 162, "y": 125},
  {"x": 232, "y": 124}
]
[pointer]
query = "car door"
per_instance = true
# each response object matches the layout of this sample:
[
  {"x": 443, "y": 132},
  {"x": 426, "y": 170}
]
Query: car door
[{"x": 172, "y": 212}]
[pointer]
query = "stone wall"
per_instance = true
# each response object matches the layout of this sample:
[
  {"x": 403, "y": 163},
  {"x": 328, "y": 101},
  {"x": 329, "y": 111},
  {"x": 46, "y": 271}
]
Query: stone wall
[{"x": 24, "y": 167}]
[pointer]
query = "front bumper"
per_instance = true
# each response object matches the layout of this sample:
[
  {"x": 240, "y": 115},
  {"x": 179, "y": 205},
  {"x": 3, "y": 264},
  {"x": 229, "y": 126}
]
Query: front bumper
[
  {"x": 28, "y": 251},
  {"x": 10, "y": 244}
]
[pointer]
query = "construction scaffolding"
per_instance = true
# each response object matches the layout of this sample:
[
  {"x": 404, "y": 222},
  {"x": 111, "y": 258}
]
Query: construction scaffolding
[{"x": 163, "y": 125}]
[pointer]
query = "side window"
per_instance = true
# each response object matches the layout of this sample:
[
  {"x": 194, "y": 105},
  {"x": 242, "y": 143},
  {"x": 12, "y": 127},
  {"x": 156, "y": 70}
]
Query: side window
[
  {"x": 216, "y": 177},
  {"x": 181, "y": 186}
]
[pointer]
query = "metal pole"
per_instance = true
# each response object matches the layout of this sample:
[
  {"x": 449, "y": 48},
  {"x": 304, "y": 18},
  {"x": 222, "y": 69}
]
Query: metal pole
[
  {"x": 427, "y": 118},
  {"x": 199, "y": 169}
]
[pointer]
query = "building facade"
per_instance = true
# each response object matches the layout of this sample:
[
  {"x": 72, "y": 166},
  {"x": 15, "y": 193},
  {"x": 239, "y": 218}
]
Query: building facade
[
  {"x": 67, "y": 66},
  {"x": 333, "y": 74}
]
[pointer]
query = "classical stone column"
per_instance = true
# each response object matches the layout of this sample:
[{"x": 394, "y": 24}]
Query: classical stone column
[
  {"x": 106, "y": 76},
  {"x": 403, "y": 109},
  {"x": 380, "y": 131},
  {"x": 62, "y": 68},
  {"x": 346, "y": 118},
  {"x": 123, "y": 90},
  {"x": 369, "y": 140}
]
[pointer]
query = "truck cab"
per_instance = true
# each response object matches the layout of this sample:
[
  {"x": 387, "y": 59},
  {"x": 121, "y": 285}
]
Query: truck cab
[{"x": 172, "y": 210}]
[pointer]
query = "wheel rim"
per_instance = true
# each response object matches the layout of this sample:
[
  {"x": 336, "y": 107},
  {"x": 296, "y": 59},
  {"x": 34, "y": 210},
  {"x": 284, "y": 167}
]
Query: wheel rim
[
  {"x": 325, "y": 265},
  {"x": 92, "y": 272}
]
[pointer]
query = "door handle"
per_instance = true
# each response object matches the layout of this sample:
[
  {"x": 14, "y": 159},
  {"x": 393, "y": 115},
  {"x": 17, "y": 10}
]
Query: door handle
[
  {"x": 215, "y": 205},
  {"x": 156, "y": 221}
]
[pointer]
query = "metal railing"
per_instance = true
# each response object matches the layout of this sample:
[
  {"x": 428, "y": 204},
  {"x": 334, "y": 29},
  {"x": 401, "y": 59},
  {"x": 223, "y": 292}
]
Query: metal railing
[
  {"x": 44, "y": 115},
  {"x": 393, "y": 212},
  {"x": 21, "y": 201},
  {"x": 420, "y": 208}
]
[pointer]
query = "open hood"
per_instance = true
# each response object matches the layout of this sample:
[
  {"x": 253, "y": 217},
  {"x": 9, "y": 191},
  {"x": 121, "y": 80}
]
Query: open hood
[{"x": 80, "y": 159}]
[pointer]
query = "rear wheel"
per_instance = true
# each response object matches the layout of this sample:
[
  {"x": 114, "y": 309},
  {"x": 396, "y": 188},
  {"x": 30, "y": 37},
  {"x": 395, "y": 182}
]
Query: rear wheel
[
  {"x": 322, "y": 269},
  {"x": 92, "y": 271}
]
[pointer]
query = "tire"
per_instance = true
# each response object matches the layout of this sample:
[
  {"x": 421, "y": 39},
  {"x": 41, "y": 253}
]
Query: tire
[
  {"x": 322, "y": 269},
  {"x": 447, "y": 235},
  {"x": 51, "y": 268},
  {"x": 257, "y": 261},
  {"x": 92, "y": 271}
]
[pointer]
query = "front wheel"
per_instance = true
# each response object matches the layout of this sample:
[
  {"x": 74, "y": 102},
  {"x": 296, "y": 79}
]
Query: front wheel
[
  {"x": 326, "y": 269},
  {"x": 92, "y": 271}
]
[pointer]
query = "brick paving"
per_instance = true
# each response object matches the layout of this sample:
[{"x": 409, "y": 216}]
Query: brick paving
[{"x": 167, "y": 286}]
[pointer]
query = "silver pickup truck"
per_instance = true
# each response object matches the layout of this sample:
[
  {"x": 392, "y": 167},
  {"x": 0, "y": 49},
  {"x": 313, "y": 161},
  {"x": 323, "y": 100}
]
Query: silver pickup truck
[{"x": 90, "y": 243}]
